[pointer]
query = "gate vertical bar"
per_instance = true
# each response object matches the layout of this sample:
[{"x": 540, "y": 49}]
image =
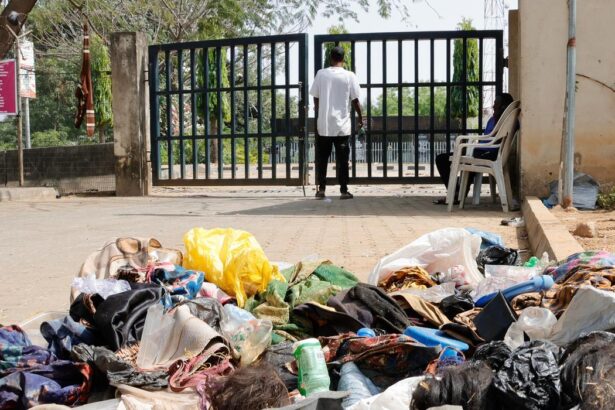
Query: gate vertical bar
[
  {"x": 272, "y": 151},
  {"x": 246, "y": 119},
  {"x": 304, "y": 106},
  {"x": 432, "y": 136},
  {"x": 355, "y": 131},
  {"x": 385, "y": 137},
  {"x": 206, "y": 114},
  {"x": 259, "y": 103},
  {"x": 233, "y": 117},
  {"x": 416, "y": 108},
  {"x": 193, "y": 109},
  {"x": 464, "y": 90},
  {"x": 219, "y": 113},
  {"x": 180, "y": 110},
  {"x": 480, "y": 81},
  {"x": 169, "y": 116},
  {"x": 448, "y": 95},
  {"x": 287, "y": 106},
  {"x": 369, "y": 109},
  {"x": 400, "y": 148}
]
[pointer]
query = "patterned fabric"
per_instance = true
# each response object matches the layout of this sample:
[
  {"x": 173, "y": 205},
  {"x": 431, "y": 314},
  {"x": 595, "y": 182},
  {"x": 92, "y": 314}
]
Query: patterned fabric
[
  {"x": 593, "y": 261},
  {"x": 31, "y": 375},
  {"x": 384, "y": 359},
  {"x": 180, "y": 284},
  {"x": 413, "y": 277}
]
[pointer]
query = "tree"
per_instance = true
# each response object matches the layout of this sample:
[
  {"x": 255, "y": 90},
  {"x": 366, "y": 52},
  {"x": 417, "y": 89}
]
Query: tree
[
  {"x": 101, "y": 79},
  {"x": 472, "y": 70},
  {"x": 407, "y": 98},
  {"x": 340, "y": 29}
]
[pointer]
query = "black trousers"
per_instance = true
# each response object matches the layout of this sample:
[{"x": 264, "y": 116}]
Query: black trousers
[
  {"x": 324, "y": 145},
  {"x": 444, "y": 164}
]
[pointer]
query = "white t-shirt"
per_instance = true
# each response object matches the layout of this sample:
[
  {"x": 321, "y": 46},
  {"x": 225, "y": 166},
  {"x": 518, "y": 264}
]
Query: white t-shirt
[{"x": 335, "y": 88}]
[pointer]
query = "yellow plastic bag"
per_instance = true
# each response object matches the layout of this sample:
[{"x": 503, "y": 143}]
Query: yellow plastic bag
[{"x": 232, "y": 259}]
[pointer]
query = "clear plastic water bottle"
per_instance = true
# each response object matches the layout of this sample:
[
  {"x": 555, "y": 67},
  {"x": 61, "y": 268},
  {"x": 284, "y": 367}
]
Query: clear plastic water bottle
[{"x": 313, "y": 373}]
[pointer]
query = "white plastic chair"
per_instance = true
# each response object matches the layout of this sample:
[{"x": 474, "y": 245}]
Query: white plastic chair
[{"x": 502, "y": 140}]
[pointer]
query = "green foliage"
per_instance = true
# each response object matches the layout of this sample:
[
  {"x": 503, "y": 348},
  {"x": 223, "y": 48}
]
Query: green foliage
[
  {"x": 407, "y": 100},
  {"x": 339, "y": 29},
  {"x": 212, "y": 83},
  {"x": 606, "y": 200},
  {"x": 472, "y": 65},
  {"x": 101, "y": 79}
]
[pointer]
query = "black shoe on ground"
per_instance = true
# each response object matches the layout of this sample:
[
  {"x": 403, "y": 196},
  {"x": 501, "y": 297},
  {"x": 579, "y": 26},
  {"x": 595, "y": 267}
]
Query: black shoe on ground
[
  {"x": 346, "y": 195},
  {"x": 320, "y": 194}
]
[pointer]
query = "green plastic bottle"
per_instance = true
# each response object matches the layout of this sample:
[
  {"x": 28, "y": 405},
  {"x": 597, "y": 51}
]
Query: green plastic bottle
[
  {"x": 313, "y": 373},
  {"x": 532, "y": 262}
]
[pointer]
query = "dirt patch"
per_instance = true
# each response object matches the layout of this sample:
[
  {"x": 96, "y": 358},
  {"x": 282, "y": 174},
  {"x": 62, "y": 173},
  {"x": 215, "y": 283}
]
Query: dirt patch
[{"x": 605, "y": 224}]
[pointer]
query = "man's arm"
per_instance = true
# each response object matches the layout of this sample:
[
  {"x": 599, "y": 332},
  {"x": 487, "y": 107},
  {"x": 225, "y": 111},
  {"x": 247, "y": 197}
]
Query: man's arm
[{"x": 357, "y": 107}]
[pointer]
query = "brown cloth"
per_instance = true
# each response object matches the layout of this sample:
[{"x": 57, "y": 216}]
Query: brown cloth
[
  {"x": 85, "y": 90},
  {"x": 410, "y": 277},
  {"x": 429, "y": 312}
]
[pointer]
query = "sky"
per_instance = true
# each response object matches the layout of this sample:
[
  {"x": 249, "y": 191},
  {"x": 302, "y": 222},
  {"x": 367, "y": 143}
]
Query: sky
[{"x": 442, "y": 15}]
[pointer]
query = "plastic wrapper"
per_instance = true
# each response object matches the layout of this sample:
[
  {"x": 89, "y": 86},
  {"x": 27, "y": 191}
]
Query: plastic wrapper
[
  {"x": 232, "y": 259},
  {"x": 530, "y": 378},
  {"x": 103, "y": 287},
  {"x": 536, "y": 322},
  {"x": 455, "y": 304},
  {"x": 249, "y": 336},
  {"x": 437, "y": 251},
  {"x": 500, "y": 277}
]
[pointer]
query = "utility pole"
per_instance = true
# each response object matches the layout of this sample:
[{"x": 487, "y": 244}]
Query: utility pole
[{"x": 567, "y": 173}]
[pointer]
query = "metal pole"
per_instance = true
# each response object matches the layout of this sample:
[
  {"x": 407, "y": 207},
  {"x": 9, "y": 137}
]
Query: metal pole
[
  {"x": 19, "y": 119},
  {"x": 26, "y": 113},
  {"x": 566, "y": 198}
]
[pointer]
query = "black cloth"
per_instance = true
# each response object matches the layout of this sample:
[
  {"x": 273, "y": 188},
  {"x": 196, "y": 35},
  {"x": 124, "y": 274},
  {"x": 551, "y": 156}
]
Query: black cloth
[
  {"x": 360, "y": 306},
  {"x": 120, "y": 318},
  {"x": 443, "y": 163},
  {"x": 278, "y": 356},
  {"x": 117, "y": 371},
  {"x": 324, "y": 146}
]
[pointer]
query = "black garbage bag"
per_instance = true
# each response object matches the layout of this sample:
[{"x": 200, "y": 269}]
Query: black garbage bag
[
  {"x": 529, "y": 378},
  {"x": 496, "y": 255},
  {"x": 460, "y": 302},
  {"x": 588, "y": 372},
  {"x": 493, "y": 353}
]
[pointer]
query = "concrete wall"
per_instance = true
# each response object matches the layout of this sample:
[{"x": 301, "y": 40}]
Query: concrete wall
[
  {"x": 70, "y": 169},
  {"x": 543, "y": 39}
]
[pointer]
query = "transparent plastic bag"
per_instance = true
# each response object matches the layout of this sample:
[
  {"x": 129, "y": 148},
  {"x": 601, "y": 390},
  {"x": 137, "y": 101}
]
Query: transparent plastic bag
[
  {"x": 251, "y": 339},
  {"x": 534, "y": 321},
  {"x": 499, "y": 277},
  {"x": 437, "y": 251},
  {"x": 103, "y": 287}
]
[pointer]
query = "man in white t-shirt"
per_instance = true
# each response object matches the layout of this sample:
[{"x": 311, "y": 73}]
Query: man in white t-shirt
[{"x": 334, "y": 89}]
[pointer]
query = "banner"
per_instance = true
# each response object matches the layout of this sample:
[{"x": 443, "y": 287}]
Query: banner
[
  {"x": 27, "y": 86},
  {"x": 8, "y": 88}
]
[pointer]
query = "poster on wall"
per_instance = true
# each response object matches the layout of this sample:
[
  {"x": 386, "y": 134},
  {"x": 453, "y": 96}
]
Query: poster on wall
[{"x": 8, "y": 88}]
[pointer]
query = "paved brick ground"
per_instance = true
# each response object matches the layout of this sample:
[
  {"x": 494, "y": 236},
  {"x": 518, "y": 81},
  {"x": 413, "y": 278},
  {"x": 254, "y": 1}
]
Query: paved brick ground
[{"x": 44, "y": 243}]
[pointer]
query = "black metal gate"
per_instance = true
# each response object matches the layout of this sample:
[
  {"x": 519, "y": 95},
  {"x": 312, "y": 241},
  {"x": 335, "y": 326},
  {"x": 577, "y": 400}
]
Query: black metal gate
[
  {"x": 415, "y": 111},
  {"x": 229, "y": 112}
]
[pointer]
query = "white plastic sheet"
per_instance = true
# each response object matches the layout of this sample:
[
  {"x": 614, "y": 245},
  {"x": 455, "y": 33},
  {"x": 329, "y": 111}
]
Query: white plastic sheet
[
  {"x": 396, "y": 397},
  {"x": 437, "y": 251},
  {"x": 591, "y": 309},
  {"x": 536, "y": 322}
]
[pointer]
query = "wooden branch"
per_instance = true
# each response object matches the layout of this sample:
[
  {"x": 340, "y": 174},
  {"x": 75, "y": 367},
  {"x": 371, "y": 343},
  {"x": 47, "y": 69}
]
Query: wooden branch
[{"x": 597, "y": 82}]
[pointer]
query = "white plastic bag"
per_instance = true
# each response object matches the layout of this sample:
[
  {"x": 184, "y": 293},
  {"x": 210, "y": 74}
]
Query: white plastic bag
[
  {"x": 396, "y": 397},
  {"x": 536, "y": 322},
  {"x": 437, "y": 251},
  {"x": 103, "y": 287},
  {"x": 589, "y": 310},
  {"x": 434, "y": 294}
]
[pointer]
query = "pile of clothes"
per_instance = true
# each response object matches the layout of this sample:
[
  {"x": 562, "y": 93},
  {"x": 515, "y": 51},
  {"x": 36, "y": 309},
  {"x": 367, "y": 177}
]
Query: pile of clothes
[{"x": 451, "y": 319}]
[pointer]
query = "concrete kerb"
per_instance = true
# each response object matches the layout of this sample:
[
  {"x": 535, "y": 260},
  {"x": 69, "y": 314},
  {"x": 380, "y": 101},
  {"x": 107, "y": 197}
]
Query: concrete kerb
[
  {"x": 28, "y": 194},
  {"x": 546, "y": 233}
]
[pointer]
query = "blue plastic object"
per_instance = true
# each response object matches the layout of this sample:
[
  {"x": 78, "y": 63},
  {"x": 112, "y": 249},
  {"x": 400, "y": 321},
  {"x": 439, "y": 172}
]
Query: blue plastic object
[
  {"x": 536, "y": 284},
  {"x": 366, "y": 332},
  {"x": 435, "y": 337}
]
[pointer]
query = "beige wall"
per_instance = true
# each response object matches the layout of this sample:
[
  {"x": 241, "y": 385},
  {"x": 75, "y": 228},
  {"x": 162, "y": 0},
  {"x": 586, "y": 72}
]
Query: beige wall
[{"x": 543, "y": 38}]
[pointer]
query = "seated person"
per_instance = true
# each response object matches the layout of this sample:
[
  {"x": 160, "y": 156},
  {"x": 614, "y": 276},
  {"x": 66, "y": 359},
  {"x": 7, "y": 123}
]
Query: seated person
[{"x": 443, "y": 162}]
